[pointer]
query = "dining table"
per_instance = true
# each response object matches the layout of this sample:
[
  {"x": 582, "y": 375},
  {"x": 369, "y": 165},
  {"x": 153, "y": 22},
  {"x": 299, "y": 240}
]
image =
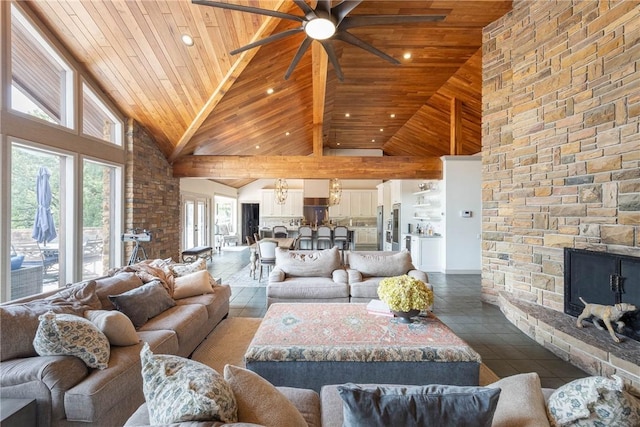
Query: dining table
[{"x": 283, "y": 242}]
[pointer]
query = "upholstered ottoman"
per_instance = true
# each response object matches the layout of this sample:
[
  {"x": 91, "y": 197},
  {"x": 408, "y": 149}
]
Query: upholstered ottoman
[{"x": 310, "y": 345}]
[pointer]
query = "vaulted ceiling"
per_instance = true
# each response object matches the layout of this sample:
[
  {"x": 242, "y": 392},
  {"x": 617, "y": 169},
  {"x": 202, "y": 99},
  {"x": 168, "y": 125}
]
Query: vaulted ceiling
[{"x": 210, "y": 112}]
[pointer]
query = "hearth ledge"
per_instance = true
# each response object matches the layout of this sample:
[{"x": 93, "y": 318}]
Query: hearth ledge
[{"x": 588, "y": 348}]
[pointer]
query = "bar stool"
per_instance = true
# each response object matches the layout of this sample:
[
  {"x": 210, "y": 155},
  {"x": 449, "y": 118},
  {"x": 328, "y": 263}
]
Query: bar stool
[
  {"x": 341, "y": 238},
  {"x": 305, "y": 235},
  {"x": 324, "y": 237},
  {"x": 280, "y": 231}
]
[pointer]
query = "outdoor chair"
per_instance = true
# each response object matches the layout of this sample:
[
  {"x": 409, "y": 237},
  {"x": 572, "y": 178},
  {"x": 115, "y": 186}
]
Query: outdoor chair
[
  {"x": 35, "y": 254},
  {"x": 227, "y": 236}
]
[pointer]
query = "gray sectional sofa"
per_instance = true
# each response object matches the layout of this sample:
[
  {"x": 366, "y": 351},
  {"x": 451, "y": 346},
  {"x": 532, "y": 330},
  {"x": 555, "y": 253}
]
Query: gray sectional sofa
[
  {"x": 68, "y": 393},
  {"x": 319, "y": 276}
]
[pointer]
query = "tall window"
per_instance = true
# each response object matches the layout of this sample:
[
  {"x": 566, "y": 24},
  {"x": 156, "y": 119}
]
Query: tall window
[
  {"x": 225, "y": 212},
  {"x": 42, "y": 82},
  {"x": 38, "y": 226},
  {"x": 195, "y": 221},
  {"x": 99, "y": 215}
]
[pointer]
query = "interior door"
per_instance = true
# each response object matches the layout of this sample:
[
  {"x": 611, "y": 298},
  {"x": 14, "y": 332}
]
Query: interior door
[
  {"x": 195, "y": 222},
  {"x": 250, "y": 220}
]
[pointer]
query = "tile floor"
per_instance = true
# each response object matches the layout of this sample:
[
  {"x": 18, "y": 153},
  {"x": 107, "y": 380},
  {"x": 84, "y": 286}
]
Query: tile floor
[{"x": 503, "y": 347}]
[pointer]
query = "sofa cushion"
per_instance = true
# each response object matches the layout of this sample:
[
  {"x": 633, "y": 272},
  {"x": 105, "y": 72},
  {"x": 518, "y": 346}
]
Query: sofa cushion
[
  {"x": 259, "y": 402},
  {"x": 143, "y": 303},
  {"x": 178, "y": 389},
  {"x": 308, "y": 264},
  {"x": 307, "y": 288},
  {"x": 71, "y": 335},
  {"x": 593, "y": 402},
  {"x": 381, "y": 264},
  {"x": 383, "y": 406},
  {"x": 115, "y": 285},
  {"x": 521, "y": 402},
  {"x": 22, "y": 319},
  {"x": 116, "y": 326},
  {"x": 192, "y": 284}
]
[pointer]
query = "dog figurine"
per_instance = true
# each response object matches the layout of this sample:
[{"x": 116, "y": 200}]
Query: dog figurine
[{"x": 606, "y": 313}]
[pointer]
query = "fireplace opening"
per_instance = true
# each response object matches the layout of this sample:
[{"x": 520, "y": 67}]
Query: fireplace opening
[{"x": 603, "y": 278}]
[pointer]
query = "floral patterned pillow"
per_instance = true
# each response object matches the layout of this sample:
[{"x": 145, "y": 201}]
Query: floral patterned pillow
[
  {"x": 178, "y": 389},
  {"x": 70, "y": 335},
  {"x": 180, "y": 270},
  {"x": 593, "y": 402}
]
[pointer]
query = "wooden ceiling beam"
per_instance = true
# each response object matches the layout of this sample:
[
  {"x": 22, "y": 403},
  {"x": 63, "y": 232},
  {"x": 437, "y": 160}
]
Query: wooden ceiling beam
[
  {"x": 306, "y": 167},
  {"x": 319, "y": 70}
]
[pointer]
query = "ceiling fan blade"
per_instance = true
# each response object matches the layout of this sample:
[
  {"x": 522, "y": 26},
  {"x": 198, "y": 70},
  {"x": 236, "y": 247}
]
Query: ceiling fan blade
[
  {"x": 351, "y": 39},
  {"x": 331, "y": 53},
  {"x": 341, "y": 10},
  {"x": 324, "y": 7},
  {"x": 266, "y": 40},
  {"x": 248, "y": 9},
  {"x": 306, "y": 9},
  {"x": 301, "y": 50},
  {"x": 370, "y": 20}
]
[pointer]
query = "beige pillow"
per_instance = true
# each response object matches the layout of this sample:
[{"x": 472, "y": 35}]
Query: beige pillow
[
  {"x": 259, "y": 402},
  {"x": 192, "y": 285},
  {"x": 521, "y": 402},
  {"x": 115, "y": 325},
  {"x": 381, "y": 265}
]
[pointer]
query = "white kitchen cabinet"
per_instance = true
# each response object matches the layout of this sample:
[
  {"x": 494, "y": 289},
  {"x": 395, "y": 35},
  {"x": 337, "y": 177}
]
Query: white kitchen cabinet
[
  {"x": 365, "y": 235},
  {"x": 362, "y": 203},
  {"x": 291, "y": 208},
  {"x": 343, "y": 209},
  {"x": 431, "y": 254}
]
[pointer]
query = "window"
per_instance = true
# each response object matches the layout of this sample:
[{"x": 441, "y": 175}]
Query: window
[
  {"x": 98, "y": 120},
  {"x": 195, "y": 222},
  {"x": 41, "y": 81},
  {"x": 225, "y": 212},
  {"x": 99, "y": 217},
  {"x": 38, "y": 228}
]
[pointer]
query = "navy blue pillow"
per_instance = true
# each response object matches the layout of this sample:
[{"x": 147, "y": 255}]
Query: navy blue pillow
[{"x": 413, "y": 406}]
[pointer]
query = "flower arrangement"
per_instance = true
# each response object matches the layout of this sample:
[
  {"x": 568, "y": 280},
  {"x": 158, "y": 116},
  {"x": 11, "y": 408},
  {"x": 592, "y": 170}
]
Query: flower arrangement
[{"x": 405, "y": 293}]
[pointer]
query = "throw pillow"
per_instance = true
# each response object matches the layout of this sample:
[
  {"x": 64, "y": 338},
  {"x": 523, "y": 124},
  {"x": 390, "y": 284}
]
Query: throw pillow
[
  {"x": 192, "y": 284},
  {"x": 308, "y": 264},
  {"x": 437, "y": 405},
  {"x": 71, "y": 335},
  {"x": 22, "y": 319},
  {"x": 522, "y": 403},
  {"x": 259, "y": 402},
  {"x": 16, "y": 262},
  {"x": 114, "y": 285},
  {"x": 184, "y": 269},
  {"x": 593, "y": 402},
  {"x": 178, "y": 389},
  {"x": 143, "y": 303},
  {"x": 114, "y": 325},
  {"x": 381, "y": 265}
]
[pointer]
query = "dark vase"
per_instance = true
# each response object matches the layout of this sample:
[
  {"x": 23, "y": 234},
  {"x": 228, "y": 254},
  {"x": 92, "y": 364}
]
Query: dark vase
[{"x": 406, "y": 316}]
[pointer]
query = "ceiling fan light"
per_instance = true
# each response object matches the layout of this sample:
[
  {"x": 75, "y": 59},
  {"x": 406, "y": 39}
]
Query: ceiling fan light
[{"x": 320, "y": 28}]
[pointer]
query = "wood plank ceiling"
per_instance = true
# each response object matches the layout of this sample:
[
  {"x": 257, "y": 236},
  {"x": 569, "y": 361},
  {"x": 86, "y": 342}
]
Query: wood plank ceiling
[{"x": 212, "y": 117}]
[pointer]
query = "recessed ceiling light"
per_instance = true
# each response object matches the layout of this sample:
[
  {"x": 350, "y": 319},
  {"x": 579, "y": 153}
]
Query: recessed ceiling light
[
  {"x": 187, "y": 39},
  {"x": 381, "y": 130},
  {"x": 373, "y": 140},
  {"x": 257, "y": 146},
  {"x": 393, "y": 116},
  {"x": 347, "y": 115},
  {"x": 287, "y": 133},
  {"x": 337, "y": 143},
  {"x": 407, "y": 55},
  {"x": 270, "y": 91}
]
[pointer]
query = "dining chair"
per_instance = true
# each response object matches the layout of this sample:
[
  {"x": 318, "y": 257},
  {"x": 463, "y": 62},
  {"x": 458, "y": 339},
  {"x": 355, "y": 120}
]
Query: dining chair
[
  {"x": 266, "y": 255},
  {"x": 324, "y": 238},
  {"x": 305, "y": 235},
  {"x": 280, "y": 231}
]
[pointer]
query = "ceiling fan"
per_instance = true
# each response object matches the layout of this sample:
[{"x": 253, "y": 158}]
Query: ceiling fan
[{"x": 324, "y": 24}]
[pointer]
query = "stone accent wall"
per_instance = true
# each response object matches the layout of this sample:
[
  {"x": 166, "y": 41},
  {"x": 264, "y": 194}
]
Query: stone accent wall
[
  {"x": 561, "y": 142},
  {"x": 152, "y": 195}
]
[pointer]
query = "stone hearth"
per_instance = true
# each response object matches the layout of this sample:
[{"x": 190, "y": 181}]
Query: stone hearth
[{"x": 589, "y": 349}]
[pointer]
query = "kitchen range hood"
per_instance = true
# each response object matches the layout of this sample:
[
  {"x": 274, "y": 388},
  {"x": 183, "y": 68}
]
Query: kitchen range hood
[{"x": 316, "y": 201}]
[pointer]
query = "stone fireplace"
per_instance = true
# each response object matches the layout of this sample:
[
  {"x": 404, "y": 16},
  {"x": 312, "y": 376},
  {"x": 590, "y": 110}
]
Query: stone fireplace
[{"x": 561, "y": 165}]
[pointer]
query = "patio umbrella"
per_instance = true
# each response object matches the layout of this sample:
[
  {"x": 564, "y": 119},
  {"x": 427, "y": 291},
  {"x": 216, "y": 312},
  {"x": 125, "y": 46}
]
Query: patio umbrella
[{"x": 44, "y": 230}]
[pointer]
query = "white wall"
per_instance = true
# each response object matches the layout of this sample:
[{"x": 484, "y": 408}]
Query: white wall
[{"x": 463, "y": 191}]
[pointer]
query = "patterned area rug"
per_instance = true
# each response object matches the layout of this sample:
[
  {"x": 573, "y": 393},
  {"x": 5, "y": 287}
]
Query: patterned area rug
[
  {"x": 229, "y": 341},
  {"x": 242, "y": 278}
]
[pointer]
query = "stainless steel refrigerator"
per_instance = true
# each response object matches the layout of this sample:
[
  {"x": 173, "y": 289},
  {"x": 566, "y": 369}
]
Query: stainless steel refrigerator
[
  {"x": 380, "y": 224},
  {"x": 395, "y": 227}
]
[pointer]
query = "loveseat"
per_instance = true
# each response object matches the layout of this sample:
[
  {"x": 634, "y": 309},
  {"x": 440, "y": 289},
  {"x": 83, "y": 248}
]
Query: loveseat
[
  {"x": 69, "y": 392},
  {"x": 518, "y": 400},
  {"x": 319, "y": 276}
]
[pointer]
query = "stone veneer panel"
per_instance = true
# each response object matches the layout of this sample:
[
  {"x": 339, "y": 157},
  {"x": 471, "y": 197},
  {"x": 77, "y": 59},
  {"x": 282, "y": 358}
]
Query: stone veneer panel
[
  {"x": 152, "y": 195},
  {"x": 560, "y": 148}
]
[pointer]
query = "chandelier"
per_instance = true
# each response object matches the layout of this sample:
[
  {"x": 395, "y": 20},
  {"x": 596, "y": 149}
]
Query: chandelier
[
  {"x": 335, "y": 191},
  {"x": 282, "y": 188}
]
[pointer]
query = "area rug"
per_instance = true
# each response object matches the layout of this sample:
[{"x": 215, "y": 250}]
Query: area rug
[
  {"x": 242, "y": 278},
  {"x": 229, "y": 341},
  {"x": 234, "y": 248}
]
